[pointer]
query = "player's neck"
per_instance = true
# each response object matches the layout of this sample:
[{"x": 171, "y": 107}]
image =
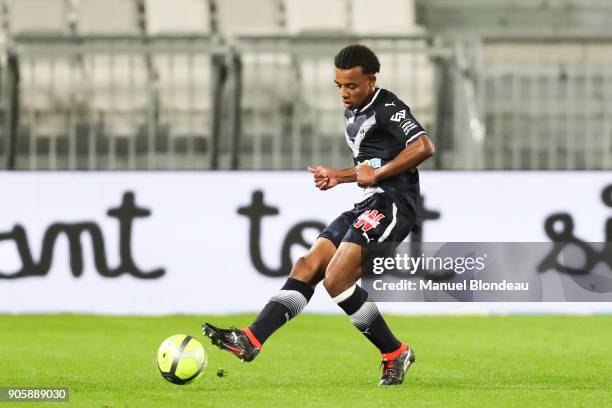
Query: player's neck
[{"x": 367, "y": 100}]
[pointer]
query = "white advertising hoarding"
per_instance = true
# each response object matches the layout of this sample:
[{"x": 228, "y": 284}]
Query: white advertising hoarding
[{"x": 170, "y": 242}]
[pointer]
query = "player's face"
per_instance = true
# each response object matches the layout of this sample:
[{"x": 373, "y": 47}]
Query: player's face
[{"x": 354, "y": 86}]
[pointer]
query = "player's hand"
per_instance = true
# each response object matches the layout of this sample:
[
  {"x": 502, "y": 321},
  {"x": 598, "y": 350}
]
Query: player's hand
[
  {"x": 366, "y": 176},
  {"x": 324, "y": 177}
]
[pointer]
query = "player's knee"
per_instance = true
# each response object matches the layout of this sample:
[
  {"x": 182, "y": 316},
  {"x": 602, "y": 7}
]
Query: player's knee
[{"x": 305, "y": 270}]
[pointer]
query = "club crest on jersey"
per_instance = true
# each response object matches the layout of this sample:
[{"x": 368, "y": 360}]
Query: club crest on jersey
[
  {"x": 374, "y": 163},
  {"x": 399, "y": 116},
  {"x": 368, "y": 220}
]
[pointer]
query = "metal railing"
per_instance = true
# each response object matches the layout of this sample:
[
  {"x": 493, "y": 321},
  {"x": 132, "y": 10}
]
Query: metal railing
[
  {"x": 268, "y": 102},
  {"x": 116, "y": 102},
  {"x": 547, "y": 102},
  {"x": 98, "y": 103}
]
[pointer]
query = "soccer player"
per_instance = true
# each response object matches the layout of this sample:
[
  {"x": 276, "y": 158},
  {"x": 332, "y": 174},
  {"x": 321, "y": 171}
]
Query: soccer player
[{"x": 387, "y": 144}]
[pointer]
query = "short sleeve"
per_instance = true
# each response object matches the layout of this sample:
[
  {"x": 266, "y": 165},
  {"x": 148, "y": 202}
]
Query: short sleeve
[{"x": 402, "y": 125}]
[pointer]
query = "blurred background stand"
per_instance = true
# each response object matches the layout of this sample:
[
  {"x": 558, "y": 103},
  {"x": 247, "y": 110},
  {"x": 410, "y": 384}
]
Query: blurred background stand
[{"x": 237, "y": 84}]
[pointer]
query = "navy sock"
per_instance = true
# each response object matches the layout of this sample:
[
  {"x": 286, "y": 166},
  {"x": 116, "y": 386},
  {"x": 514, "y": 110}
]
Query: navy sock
[
  {"x": 366, "y": 317},
  {"x": 285, "y": 305}
]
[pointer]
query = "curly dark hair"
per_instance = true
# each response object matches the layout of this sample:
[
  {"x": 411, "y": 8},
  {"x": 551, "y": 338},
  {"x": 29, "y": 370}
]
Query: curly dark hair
[{"x": 357, "y": 55}]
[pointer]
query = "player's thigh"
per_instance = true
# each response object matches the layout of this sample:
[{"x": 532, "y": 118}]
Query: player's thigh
[
  {"x": 310, "y": 268},
  {"x": 344, "y": 269},
  {"x": 336, "y": 230},
  {"x": 377, "y": 219}
]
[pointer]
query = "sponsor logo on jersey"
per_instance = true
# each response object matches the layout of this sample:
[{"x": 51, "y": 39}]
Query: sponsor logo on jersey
[
  {"x": 368, "y": 220},
  {"x": 399, "y": 116}
]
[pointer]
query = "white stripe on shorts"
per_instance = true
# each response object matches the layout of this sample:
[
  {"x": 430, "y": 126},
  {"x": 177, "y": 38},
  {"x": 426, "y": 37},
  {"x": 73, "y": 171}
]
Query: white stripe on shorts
[{"x": 387, "y": 232}]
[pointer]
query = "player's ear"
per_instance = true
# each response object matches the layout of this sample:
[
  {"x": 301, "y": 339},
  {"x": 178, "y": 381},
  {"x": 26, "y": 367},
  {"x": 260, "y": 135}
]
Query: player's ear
[{"x": 372, "y": 80}]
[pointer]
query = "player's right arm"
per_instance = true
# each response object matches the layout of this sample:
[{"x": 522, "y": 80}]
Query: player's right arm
[{"x": 326, "y": 177}]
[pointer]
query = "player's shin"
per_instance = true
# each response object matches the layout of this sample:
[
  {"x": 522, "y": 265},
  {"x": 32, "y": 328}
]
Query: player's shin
[
  {"x": 285, "y": 305},
  {"x": 366, "y": 317}
]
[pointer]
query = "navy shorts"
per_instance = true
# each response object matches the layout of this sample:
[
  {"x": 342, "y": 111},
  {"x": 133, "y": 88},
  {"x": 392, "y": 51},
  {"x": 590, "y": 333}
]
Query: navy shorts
[{"x": 375, "y": 219}]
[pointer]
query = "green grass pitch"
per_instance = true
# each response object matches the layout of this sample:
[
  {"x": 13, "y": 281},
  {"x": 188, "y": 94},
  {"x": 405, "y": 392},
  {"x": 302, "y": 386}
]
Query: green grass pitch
[{"x": 317, "y": 360}]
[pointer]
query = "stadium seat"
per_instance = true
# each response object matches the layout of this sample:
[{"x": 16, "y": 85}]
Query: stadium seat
[
  {"x": 178, "y": 17},
  {"x": 38, "y": 16},
  {"x": 117, "y": 86},
  {"x": 117, "y": 83},
  {"x": 385, "y": 17},
  {"x": 244, "y": 17},
  {"x": 183, "y": 82},
  {"x": 266, "y": 75},
  {"x": 268, "y": 94},
  {"x": 47, "y": 98},
  {"x": 317, "y": 16},
  {"x": 108, "y": 17},
  {"x": 500, "y": 17},
  {"x": 44, "y": 82},
  {"x": 185, "y": 93}
]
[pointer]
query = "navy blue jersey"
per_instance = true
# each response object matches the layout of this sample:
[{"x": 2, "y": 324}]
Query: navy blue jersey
[{"x": 378, "y": 132}]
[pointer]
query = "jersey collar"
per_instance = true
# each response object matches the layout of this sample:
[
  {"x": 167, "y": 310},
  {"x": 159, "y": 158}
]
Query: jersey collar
[{"x": 369, "y": 103}]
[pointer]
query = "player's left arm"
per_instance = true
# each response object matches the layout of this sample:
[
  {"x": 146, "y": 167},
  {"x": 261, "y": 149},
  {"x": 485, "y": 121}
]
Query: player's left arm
[
  {"x": 414, "y": 154},
  {"x": 400, "y": 124}
]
